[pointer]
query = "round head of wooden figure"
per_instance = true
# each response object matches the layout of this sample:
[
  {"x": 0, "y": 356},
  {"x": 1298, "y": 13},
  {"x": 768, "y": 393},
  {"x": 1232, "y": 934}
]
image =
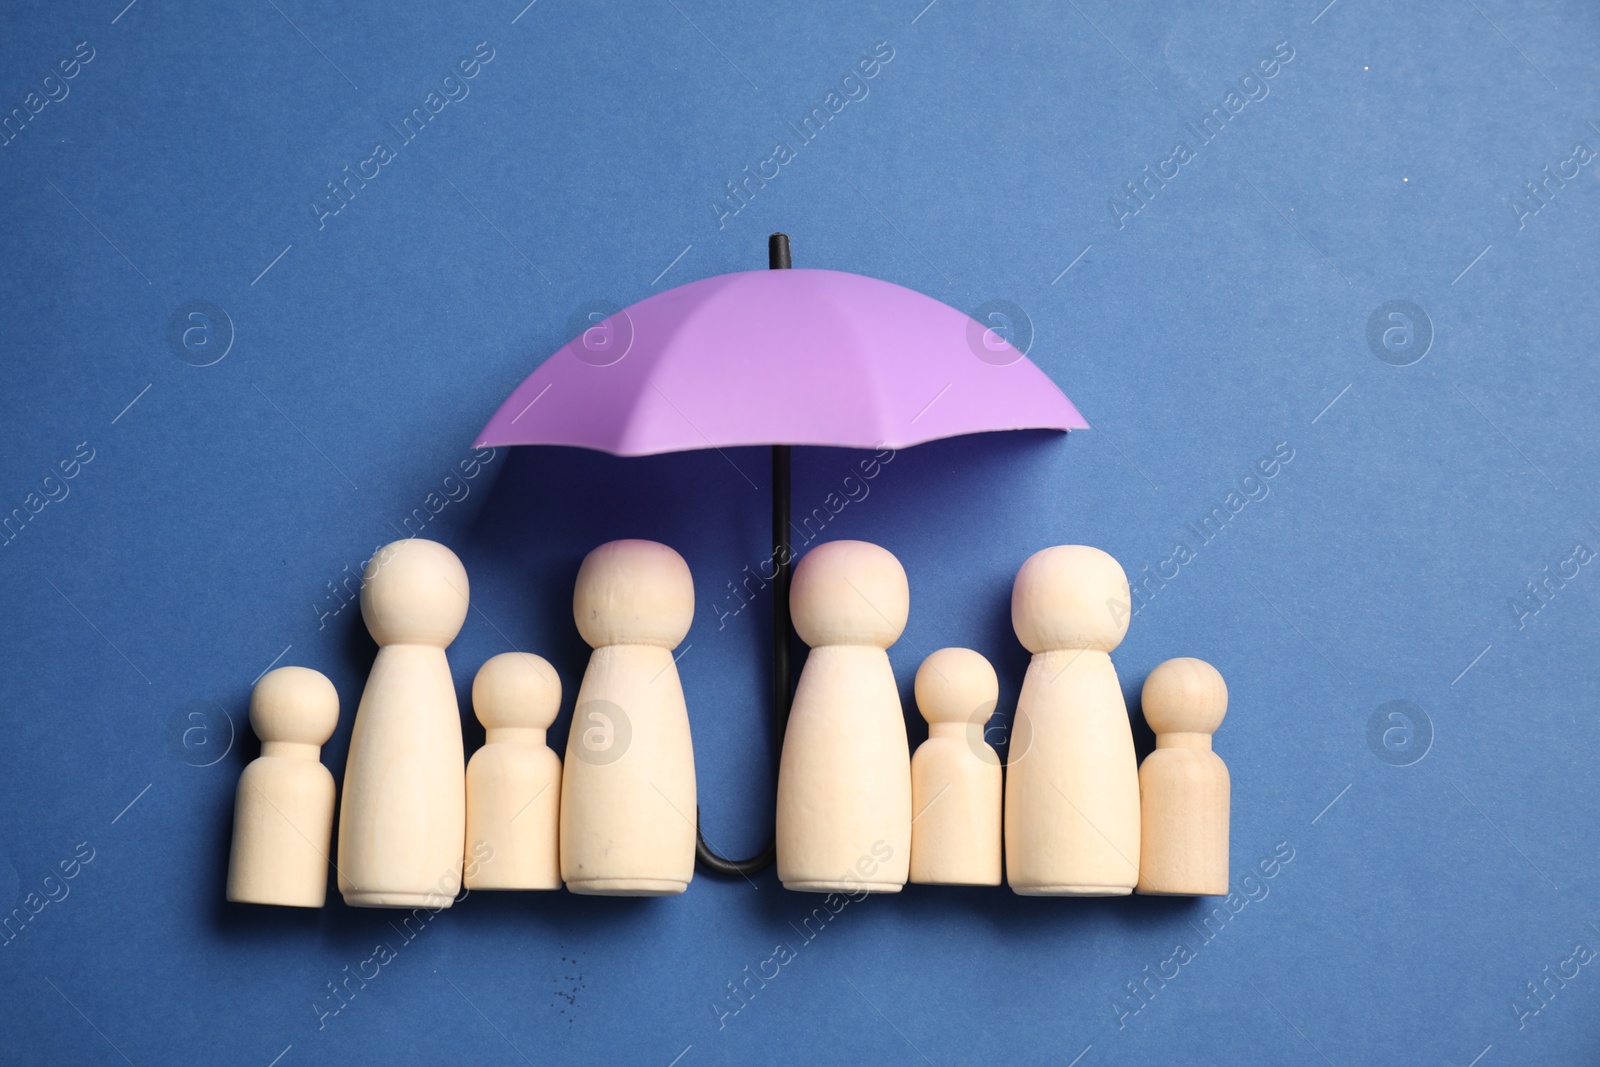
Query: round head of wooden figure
[
  {"x": 517, "y": 690},
  {"x": 1185, "y": 696},
  {"x": 956, "y": 685},
  {"x": 294, "y": 704},
  {"x": 1070, "y": 597},
  {"x": 849, "y": 593},
  {"x": 414, "y": 592},
  {"x": 633, "y": 593}
]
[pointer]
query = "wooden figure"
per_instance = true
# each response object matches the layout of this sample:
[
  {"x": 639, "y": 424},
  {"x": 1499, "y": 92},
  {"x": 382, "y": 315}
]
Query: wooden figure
[
  {"x": 844, "y": 780},
  {"x": 514, "y": 780},
  {"x": 283, "y": 814},
  {"x": 1183, "y": 785},
  {"x": 628, "y": 787},
  {"x": 403, "y": 820},
  {"x": 1072, "y": 784},
  {"x": 955, "y": 775}
]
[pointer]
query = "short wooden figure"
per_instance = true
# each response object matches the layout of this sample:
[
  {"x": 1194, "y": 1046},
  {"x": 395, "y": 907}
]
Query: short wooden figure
[
  {"x": 283, "y": 814},
  {"x": 1183, "y": 785},
  {"x": 514, "y": 780},
  {"x": 844, "y": 780},
  {"x": 1072, "y": 783},
  {"x": 955, "y": 775},
  {"x": 628, "y": 787},
  {"x": 403, "y": 822}
]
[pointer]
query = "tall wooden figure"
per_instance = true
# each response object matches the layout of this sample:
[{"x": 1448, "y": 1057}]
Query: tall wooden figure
[
  {"x": 844, "y": 780},
  {"x": 514, "y": 780},
  {"x": 1072, "y": 788},
  {"x": 283, "y": 816},
  {"x": 955, "y": 775},
  {"x": 628, "y": 788},
  {"x": 1183, "y": 785},
  {"x": 403, "y": 817}
]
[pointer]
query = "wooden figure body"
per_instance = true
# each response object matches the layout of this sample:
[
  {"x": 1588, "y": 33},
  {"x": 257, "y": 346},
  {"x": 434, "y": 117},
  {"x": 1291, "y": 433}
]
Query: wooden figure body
[
  {"x": 514, "y": 780},
  {"x": 1183, "y": 786},
  {"x": 628, "y": 786},
  {"x": 1072, "y": 784},
  {"x": 844, "y": 780},
  {"x": 283, "y": 814},
  {"x": 403, "y": 821},
  {"x": 955, "y": 775}
]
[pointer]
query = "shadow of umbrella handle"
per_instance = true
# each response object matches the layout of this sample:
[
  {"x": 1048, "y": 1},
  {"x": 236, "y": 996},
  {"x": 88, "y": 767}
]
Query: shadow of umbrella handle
[{"x": 778, "y": 258}]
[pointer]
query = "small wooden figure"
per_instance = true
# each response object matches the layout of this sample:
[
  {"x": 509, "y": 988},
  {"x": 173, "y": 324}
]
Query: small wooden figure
[
  {"x": 514, "y": 780},
  {"x": 403, "y": 821},
  {"x": 628, "y": 786},
  {"x": 1072, "y": 787},
  {"x": 955, "y": 775},
  {"x": 1183, "y": 785},
  {"x": 844, "y": 780},
  {"x": 283, "y": 814}
]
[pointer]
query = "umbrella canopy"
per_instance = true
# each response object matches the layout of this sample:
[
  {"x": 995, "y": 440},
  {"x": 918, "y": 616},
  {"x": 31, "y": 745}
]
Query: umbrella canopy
[
  {"x": 779, "y": 357},
  {"x": 793, "y": 357}
]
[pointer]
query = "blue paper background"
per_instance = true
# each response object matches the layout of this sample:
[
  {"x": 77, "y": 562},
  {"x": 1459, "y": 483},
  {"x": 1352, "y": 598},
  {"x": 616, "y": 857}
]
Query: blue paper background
[{"x": 222, "y": 504}]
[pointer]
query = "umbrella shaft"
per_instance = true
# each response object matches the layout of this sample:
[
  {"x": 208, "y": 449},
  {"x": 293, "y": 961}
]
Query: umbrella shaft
[
  {"x": 782, "y": 563},
  {"x": 778, "y": 258}
]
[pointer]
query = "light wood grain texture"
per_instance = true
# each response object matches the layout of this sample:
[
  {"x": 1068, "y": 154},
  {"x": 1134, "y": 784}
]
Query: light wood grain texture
[
  {"x": 514, "y": 780},
  {"x": 403, "y": 823},
  {"x": 1183, "y": 785},
  {"x": 628, "y": 784},
  {"x": 844, "y": 780},
  {"x": 955, "y": 775},
  {"x": 1072, "y": 783},
  {"x": 283, "y": 813}
]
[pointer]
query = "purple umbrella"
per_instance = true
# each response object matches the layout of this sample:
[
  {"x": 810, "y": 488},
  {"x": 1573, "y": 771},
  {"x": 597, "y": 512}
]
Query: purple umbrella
[{"x": 801, "y": 357}]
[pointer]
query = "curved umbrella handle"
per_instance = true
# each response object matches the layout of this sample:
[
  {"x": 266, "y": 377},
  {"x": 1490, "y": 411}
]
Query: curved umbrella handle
[
  {"x": 782, "y": 692},
  {"x": 778, "y": 258}
]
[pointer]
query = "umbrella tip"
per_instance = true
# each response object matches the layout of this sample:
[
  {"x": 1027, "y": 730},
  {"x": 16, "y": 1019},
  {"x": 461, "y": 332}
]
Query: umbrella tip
[{"x": 778, "y": 257}]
